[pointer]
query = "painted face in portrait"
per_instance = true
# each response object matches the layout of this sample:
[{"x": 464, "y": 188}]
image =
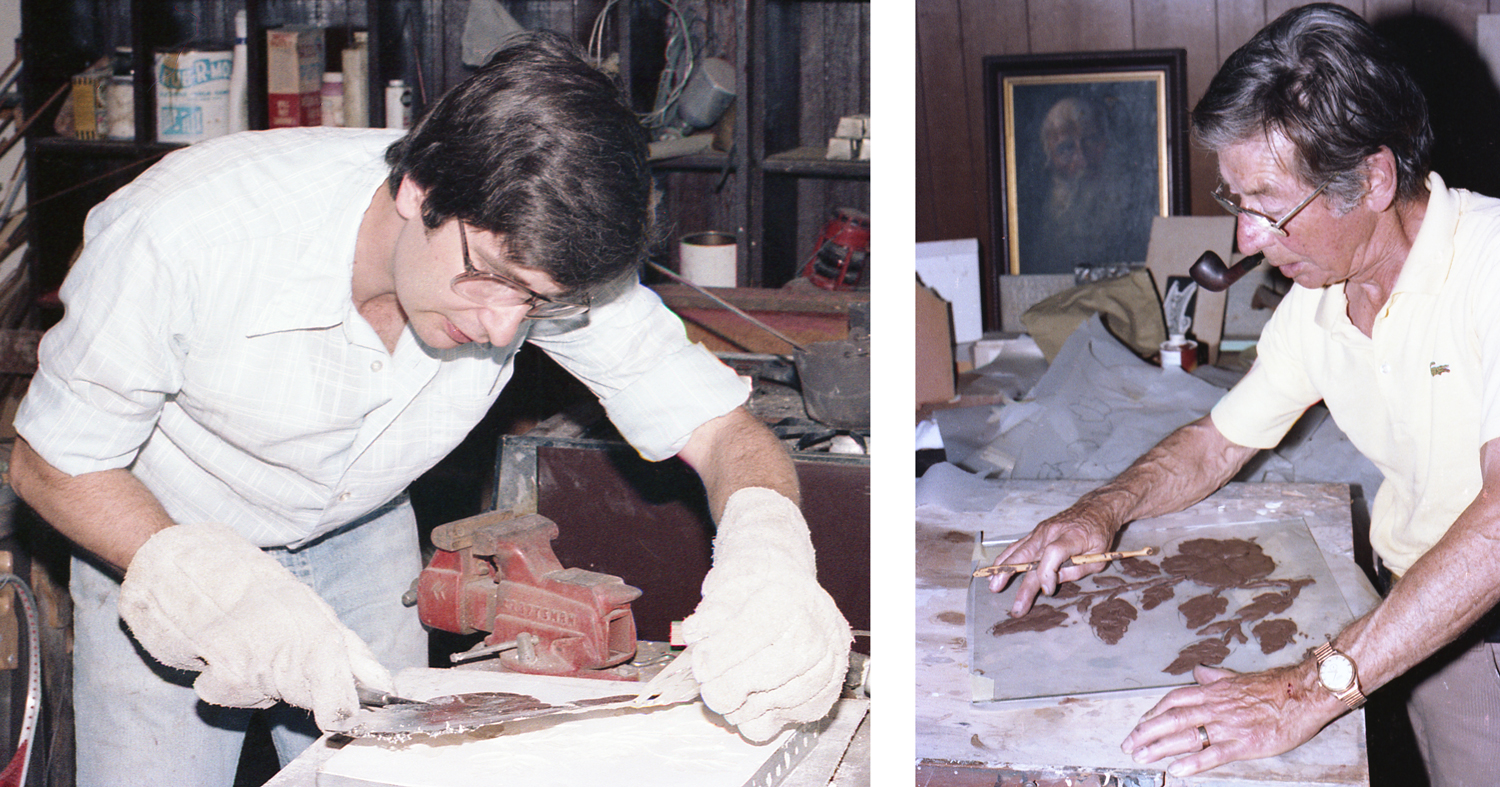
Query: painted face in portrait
[{"x": 1074, "y": 138}]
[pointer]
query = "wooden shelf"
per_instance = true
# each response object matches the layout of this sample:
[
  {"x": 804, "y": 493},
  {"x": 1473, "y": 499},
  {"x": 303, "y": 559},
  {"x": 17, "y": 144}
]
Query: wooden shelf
[
  {"x": 713, "y": 161},
  {"x": 812, "y": 162},
  {"x": 103, "y": 148}
]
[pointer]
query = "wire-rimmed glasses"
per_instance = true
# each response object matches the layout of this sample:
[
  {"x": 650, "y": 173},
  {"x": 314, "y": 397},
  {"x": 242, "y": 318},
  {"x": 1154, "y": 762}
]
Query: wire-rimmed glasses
[
  {"x": 492, "y": 289},
  {"x": 1231, "y": 202}
]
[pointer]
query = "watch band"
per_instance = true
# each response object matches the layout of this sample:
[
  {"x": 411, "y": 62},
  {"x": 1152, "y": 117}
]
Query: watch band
[{"x": 1351, "y": 696}]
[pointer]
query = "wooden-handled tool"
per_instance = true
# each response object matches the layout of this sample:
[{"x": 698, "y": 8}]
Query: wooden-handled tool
[{"x": 1076, "y": 560}]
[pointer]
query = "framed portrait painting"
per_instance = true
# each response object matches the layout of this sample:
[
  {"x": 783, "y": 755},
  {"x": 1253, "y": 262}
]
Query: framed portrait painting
[{"x": 1085, "y": 149}]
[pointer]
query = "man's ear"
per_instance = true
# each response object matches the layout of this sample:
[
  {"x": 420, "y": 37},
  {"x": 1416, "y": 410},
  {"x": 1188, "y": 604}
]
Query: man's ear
[
  {"x": 1381, "y": 179},
  {"x": 409, "y": 199}
]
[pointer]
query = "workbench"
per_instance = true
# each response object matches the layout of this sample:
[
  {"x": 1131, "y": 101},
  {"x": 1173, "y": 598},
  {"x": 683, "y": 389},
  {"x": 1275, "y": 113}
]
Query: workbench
[
  {"x": 648, "y": 523},
  {"x": 1042, "y": 742}
]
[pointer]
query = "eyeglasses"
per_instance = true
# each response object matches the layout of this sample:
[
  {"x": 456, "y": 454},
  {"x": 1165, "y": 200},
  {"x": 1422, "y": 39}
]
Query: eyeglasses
[
  {"x": 492, "y": 289},
  {"x": 1231, "y": 202}
]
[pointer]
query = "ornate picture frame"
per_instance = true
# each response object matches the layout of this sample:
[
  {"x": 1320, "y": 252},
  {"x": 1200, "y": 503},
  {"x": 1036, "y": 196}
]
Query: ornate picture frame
[{"x": 1085, "y": 149}]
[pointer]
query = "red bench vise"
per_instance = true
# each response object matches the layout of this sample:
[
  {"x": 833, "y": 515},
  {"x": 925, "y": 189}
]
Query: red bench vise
[{"x": 496, "y": 572}]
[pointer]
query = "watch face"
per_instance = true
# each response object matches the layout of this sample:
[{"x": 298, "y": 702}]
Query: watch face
[{"x": 1336, "y": 672}]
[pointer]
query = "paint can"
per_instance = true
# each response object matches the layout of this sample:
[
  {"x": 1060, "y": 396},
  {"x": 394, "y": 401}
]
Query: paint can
[
  {"x": 1179, "y": 351},
  {"x": 709, "y": 259},
  {"x": 192, "y": 94},
  {"x": 119, "y": 107}
]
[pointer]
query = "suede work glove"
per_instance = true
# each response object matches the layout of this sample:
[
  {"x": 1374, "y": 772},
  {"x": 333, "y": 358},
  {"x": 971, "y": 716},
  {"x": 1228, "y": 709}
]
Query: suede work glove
[
  {"x": 200, "y": 597},
  {"x": 767, "y": 644}
]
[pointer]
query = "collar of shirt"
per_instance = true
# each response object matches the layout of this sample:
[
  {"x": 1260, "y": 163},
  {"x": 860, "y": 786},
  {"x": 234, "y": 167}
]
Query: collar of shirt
[
  {"x": 318, "y": 296},
  {"x": 1433, "y": 247}
]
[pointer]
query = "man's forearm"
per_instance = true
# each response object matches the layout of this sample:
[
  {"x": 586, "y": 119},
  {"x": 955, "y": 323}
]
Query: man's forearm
[
  {"x": 1444, "y": 593},
  {"x": 109, "y": 513},
  {"x": 735, "y": 451},
  {"x": 1185, "y": 467}
]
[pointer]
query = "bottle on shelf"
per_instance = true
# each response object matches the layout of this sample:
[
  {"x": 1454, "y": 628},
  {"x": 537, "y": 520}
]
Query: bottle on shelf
[
  {"x": 397, "y": 104},
  {"x": 333, "y": 99}
]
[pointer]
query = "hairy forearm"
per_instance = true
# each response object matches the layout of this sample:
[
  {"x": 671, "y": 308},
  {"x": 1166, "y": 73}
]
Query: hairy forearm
[
  {"x": 1185, "y": 467},
  {"x": 109, "y": 513},
  {"x": 736, "y": 451}
]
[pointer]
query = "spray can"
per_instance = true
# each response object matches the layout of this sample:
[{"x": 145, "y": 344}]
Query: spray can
[
  {"x": 332, "y": 97},
  {"x": 239, "y": 110},
  {"x": 397, "y": 104}
]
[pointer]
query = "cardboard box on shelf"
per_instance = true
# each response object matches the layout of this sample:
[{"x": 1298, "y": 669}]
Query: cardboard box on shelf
[
  {"x": 294, "y": 75},
  {"x": 1176, "y": 243},
  {"x": 88, "y": 94}
]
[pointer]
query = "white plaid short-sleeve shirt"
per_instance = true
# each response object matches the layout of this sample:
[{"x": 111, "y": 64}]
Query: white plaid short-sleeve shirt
[{"x": 211, "y": 345}]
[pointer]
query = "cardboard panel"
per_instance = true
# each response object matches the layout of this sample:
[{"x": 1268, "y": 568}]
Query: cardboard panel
[{"x": 1176, "y": 243}]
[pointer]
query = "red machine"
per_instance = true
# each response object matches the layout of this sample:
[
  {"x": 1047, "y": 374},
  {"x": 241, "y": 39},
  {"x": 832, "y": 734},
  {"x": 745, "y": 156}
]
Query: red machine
[
  {"x": 841, "y": 253},
  {"x": 496, "y": 572}
]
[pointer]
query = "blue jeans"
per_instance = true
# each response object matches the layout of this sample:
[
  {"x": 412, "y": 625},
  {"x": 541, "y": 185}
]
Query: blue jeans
[{"x": 138, "y": 722}]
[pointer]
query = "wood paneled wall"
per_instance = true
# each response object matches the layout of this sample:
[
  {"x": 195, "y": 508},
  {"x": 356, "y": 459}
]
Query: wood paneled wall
[{"x": 953, "y": 36}]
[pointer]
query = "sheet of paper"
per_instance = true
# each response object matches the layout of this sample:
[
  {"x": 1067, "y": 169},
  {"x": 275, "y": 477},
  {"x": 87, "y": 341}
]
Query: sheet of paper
[{"x": 1096, "y": 410}]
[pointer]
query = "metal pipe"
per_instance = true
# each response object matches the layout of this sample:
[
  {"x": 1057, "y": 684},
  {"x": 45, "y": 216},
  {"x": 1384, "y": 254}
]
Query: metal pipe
[{"x": 726, "y": 304}]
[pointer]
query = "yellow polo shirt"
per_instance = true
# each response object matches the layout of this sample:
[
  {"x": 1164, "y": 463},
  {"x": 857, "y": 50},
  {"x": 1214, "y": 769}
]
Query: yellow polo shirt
[{"x": 1418, "y": 397}]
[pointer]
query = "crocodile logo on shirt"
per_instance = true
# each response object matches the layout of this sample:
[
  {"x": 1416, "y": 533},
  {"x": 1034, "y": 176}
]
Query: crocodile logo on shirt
[{"x": 1438, "y": 368}]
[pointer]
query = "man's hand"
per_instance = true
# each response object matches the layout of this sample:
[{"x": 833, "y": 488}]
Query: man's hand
[
  {"x": 1185, "y": 467},
  {"x": 768, "y": 646},
  {"x": 1053, "y": 542},
  {"x": 1247, "y": 716},
  {"x": 200, "y": 597}
]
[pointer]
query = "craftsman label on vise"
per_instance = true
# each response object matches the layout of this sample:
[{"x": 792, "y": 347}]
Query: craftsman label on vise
[
  {"x": 522, "y": 609},
  {"x": 1244, "y": 596}
]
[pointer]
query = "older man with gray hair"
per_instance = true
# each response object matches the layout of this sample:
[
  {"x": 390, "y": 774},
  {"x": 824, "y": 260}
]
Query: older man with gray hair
[{"x": 1394, "y": 322}]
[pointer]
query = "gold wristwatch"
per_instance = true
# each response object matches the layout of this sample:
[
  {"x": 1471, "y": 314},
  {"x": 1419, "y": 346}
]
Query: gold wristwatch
[{"x": 1337, "y": 674}]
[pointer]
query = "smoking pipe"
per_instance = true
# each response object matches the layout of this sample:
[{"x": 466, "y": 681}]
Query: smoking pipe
[{"x": 1213, "y": 275}]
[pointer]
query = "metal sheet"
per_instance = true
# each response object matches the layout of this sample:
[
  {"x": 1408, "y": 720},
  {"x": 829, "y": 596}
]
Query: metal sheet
[
  {"x": 1071, "y": 659},
  {"x": 692, "y": 746}
]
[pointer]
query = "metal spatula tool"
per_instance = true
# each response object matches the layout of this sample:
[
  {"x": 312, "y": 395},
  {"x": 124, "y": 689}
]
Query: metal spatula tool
[{"x": 396, "y": 718}]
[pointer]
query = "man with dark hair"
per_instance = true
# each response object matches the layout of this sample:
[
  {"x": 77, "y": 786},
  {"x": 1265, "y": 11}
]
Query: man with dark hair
[
  {"x": 269, "y": 335},
  {"x": 1393, "y": 322},
  {"x": 573, "y": 202}
]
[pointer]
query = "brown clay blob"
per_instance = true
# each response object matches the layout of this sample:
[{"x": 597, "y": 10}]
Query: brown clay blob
[
  {"x": 1274, "y": 634},
  {"x": 1137, "y": 568},
  {"x": 1226, "y": 629},
  {"x": 1041, "y": 618},
  {"x": 1273, "y": 603},
  {"x": 1199, "y": 610},
  {"x": 1219, "y": 563},
  {"x": 1156, "y": 595},
  {"x": 1111, "y": 619},
  {"x": 1204, "y": 651}
]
